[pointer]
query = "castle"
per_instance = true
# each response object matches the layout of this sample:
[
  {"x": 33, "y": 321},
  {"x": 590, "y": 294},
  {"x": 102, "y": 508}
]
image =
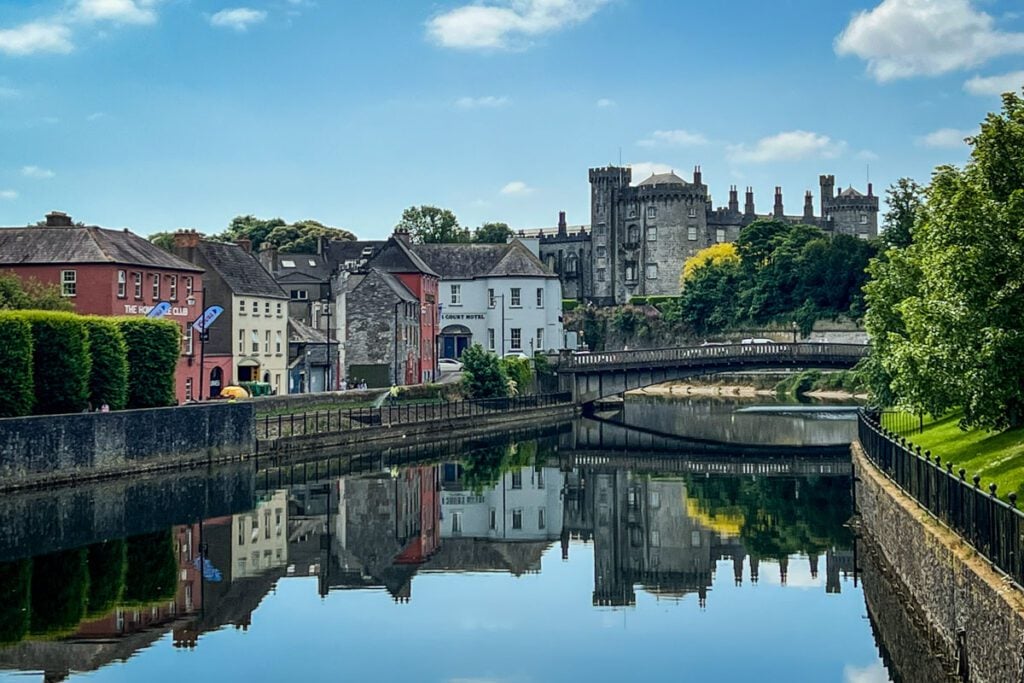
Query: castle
[{"x": 640, "y": 235}]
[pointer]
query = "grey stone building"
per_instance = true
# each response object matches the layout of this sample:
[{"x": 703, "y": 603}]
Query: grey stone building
[
  {"x": 382, "y": 328},
  {"x": 641, "y": 235}
]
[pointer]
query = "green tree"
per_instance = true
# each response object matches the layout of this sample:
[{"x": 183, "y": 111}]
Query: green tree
[
  {"x": 16, "y": 354},
  {"x": 519, "y": 374},
  {"x": 904, "y": 198},
  {"x": 153, "y": 350},
  {"x": 18, "y": 294},
  {"x": 431, "y": 225},
  {"x": 708, "y": 303},
  {"x": 108, "y": 375},
  {"x": 482, "y": 374},
  {"x": 303, "y": 236},
  {"x": 60, "y": 362},
  {"x": 251, "y": 228},
  {"x": 493, "y": 233}
]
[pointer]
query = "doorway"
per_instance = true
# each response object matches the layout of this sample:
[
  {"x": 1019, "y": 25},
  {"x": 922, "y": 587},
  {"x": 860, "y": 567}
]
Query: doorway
[{"x": 454, "y": 340}]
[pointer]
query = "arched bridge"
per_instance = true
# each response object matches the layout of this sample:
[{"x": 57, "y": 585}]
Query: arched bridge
[{"x": 592, "y": 376}]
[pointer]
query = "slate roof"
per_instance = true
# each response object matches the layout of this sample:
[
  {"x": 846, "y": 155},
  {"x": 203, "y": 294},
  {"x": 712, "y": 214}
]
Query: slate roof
[
  {"x": 356, "y": 280},
  {"x": 302, "y": 333},
  {"x": 240, "y": 270},
  {"x": 663, "y": 179},
  {"x": 395, "y": 257},
  {"x": 84, "y": 244},
  {"x": 309, "y": 266},
  {"x": 850, "y": 192},
  {"x": 469, "y": 261},
  {"x": 339, "y": 251}
]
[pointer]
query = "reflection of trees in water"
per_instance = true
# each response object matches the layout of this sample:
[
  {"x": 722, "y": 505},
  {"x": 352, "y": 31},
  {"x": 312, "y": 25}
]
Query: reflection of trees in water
[
  {"x": 482, "y": 469},
  {"x": 50, "y": 595},
  {"x": 780, "y": 516}
]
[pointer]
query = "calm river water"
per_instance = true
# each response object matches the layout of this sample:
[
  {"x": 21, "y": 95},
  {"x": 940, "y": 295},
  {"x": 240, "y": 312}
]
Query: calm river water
[{"x": 684, "y": 540}]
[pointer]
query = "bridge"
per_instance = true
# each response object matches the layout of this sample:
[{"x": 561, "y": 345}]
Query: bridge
[{"x": 593, "y": 376}]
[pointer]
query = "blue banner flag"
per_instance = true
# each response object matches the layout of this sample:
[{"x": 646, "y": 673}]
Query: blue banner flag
[
  {"x": 159, "y": 311},
  {"x": 203, "y": 322}
]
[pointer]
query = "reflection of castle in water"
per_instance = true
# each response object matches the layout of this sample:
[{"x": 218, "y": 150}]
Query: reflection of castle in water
[{"x": 646, "y": 531}]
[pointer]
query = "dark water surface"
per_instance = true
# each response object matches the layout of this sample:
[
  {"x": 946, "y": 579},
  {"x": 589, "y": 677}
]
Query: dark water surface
[{"x": 598, "y": 552}]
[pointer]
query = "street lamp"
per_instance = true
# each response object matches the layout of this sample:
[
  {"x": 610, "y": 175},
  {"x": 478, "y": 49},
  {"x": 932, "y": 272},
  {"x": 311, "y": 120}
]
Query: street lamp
[
  {"x": 326, "y": 306},
  {"x": 794, "y": 330}
]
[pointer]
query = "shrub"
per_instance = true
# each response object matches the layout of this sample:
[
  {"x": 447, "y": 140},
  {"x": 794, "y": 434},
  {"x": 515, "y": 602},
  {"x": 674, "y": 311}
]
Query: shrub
[
  {"x": 569, "y": 304},
  {"x": 18, "y": 394},
  {"x": 61, "y": 362},
  {"x": 518, "y": 371},
  {"x": 153, "y": 350},
  {"x": 637, "y": 300},
  {"x": 108, "y": 377},
  {"x": 482, "y": 374}
]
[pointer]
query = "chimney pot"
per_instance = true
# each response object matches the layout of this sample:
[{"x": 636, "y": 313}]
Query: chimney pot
[{"x": 58, "y": 219}]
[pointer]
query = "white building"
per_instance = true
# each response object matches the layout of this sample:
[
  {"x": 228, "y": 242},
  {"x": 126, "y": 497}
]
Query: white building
[{"x": 497, "y": 295}]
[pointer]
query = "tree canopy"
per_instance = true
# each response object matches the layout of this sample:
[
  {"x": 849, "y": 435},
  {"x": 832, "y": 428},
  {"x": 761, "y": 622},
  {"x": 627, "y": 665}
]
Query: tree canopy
[
  {"x": 945, "y": 311},
  {"x": 298, "y": 237},
  {"x": 432, "y": 225},
  {"x": 18, "y": 294},
  {"x": 716, "y": 255},
  {"x": 904, "y": 198},
  {"x": 492, "y": 233}
]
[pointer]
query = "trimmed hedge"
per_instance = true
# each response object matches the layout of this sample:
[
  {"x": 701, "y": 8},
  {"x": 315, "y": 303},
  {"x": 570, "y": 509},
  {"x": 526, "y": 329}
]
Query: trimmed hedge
[
  {"x": 16, "y": 378},
  {"x": 108, "y": 378},
  {"x": 61, "y": 362},
  {"x": 654, "y": 300},
  {"x": 569, "y": 304},
  {"x": 153, "y": 350}
]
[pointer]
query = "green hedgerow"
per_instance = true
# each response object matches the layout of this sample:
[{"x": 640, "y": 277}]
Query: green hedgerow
[
  {"x": 108, "y": 378},
  {"x": 61, "y": 362},
  {"x": 153, "y": 350},
  {"x": 18, "y": 395}
]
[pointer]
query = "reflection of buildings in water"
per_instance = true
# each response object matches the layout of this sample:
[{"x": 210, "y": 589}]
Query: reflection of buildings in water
[
  {"x": 644, "y": 533},
  {"x": 260, "y": 539}
]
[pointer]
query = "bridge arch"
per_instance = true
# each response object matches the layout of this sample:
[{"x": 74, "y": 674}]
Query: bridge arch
[{"x": 593, "y": 376}]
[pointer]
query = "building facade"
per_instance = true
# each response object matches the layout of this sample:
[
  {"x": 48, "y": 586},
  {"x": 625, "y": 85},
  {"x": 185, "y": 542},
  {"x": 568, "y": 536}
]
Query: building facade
[
  {"x": 249, "y": 341},
  {"x": 111, "y": 272},
  {"x": 497, "y": 295},
  {"x": 641, "y": 235}
]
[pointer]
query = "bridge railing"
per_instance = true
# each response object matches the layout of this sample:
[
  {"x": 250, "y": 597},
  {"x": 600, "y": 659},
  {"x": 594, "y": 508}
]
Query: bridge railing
[
  {"x": 993, "y": 527},
  {"x": 696, "y": 355}
]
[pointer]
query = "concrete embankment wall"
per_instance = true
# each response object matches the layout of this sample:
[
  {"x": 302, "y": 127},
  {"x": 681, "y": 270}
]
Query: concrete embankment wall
[
  {"x": 53, "y": 448},
  {"x": 973, "y": 611},
  {"x": 424, "y": 432}
]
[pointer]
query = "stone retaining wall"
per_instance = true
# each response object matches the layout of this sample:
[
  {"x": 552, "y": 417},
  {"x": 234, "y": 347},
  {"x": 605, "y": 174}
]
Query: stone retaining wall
[{"x": 975, "y": 613}]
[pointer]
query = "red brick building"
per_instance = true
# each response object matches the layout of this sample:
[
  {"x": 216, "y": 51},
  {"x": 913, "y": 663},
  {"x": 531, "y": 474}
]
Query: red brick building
[{"x": 110, "y": 272}]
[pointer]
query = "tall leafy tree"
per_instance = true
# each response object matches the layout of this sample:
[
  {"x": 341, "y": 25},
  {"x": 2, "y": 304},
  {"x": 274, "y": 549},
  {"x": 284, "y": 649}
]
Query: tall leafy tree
[
  {"x": 904, "y": 198},
  {"x": 17, "y": 294},
  {"x": 251, "y": 228},
  {"x": 303, "y": 236},
  {"x": 492, "y": 233},
  {"x": 432, "y": 225}
]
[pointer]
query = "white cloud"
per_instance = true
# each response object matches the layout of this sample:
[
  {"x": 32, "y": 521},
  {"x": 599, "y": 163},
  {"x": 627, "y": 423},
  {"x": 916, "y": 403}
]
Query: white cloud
[
  {"x": 904, "y": 38},
  {"x": 516, "y": 188},
  {"x": 604, "y": 103},
  {"x": 944, "y": 137},
  {"x": 995, "y": 85},
  {"x": 678, "y": 138},
  {"x": 37, "y": 173},
  {"x": 867, "y": 155},
  {"x": 488, "y": 101},
  {"x": 34, "y": 37},
  {"x": 8, "y": 194},
  {"x": 872, "y": 673},
  {"x": 238, "y": 18},
  {"x": 119, "y": 11},
  {"x": 642, "y": 170},
  {"x": 95, "y": 116},
  {"x": 508, "y": 23},
  {"x": 791, "y": 145}
]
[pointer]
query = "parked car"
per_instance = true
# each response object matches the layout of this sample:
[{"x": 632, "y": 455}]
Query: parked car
[
  {"x": 516, "y": 354},
  {"x": 757, "y": 340},
  {"x": 707, "y": 343},
  {"x": 449, "y": 365}
]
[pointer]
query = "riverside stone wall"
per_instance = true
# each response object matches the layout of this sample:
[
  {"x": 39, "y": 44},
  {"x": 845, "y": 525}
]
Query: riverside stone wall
[{"x": 975, "y": 614}]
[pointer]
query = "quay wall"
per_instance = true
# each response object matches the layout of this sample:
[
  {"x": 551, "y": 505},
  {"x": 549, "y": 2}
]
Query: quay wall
[{"x": 975, "y": 614}]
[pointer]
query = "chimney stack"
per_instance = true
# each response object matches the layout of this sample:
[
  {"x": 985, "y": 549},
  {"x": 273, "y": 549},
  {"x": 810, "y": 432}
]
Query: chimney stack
[
  {"x": 402, "y": 235},
  {"x": 808, "y": 207},
  {"x": 778, "y": 211},
  {"x": 245, "y": 243},
  {"x": 734, "y": 202},
  {"x": 186, "y": 239},
  {"x": 562, "y": 228},
  {"x": 870, "y": 194},
  {"x": 748, "y": 208},
  {"x": 696, "y": 175},
  {"x": 58, "y": 219}
]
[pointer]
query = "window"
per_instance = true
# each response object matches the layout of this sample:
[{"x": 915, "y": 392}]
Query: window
[
  {"x": 188, "y": 388},
  {"x": 312, "y": 262},
  {"x": 68, "y": 282},
  {"x": 241, "y": 341},
  {"x": 691, "y": 232},
  {"x": 600, "y": 274},
  {"x": 174, "y": 288},
  {"x": 863, "y": 219},
  {"x": 189, "y": 288},
  {"x": 630, "y": 271},
  {"x": 540, "y": 478},
  {"x": 255, "y": 341},
  {"x": 540, "y": 518},
  {"x": 490, "y": 338},
  {"x": 540, "y": 297},
  {"x": 456, "y": 522},
  {"x": 277, "y": 342},
  {"x": 655, "y": 538},
  {"x": 187, "y": 337},
  {"x": 516, "y": 339},
  {"x": 122, "y": 284},
  {"x": 278, "y": 309},
  {"x": 266, "y": 342},
  {"x": 600, "y": 229},
  {"x": 652, "y": 271},
  {"x": 691, "y": 212},
  {"x": 456, "y": 296},
  {"x": 138, "y": 285},
  {"x": 540, "y": 339},
  {"x": 490, "y": 298},
  {"x": 517, "y": 518},
  {"x": 695, "y": 538},
  {"x": 516, "y": 298},
  {"x": 652, "y": 234},
  {"x": 299, "y": 294},
  {"x": 266, "y": 308},
  {"x": 287, "y": 263},
  {"x": 863, "y": 235},
  {"x": 655, "y": 499},
  {"x": 517, "y": 479},
  {"x": 632, "y": 212},
  {"x": 255, "y": 307},
  {"x": 652, "y": 212},
  {"x": 720, "y": 235},
  {"x": 156, "y": 286},
  {"x": 494, "y": 519},
  {"x": 633, "y": 234},
  {"x": 571, "y": 265}
]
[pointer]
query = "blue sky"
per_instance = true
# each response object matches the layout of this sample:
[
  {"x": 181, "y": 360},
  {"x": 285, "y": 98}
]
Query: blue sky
[{"x": 160, "y": 114}]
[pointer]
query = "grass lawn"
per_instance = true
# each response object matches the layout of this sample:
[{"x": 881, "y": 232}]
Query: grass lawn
[{"x": 997, "y": 456}]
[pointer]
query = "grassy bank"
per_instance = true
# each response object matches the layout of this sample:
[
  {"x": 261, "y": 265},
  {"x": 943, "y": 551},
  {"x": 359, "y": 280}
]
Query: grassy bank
[{"x": 995, "y": 456}]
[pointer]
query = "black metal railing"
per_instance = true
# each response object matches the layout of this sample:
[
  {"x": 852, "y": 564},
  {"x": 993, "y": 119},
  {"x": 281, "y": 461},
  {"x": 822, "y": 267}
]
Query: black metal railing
[
  {"x": 992, "y": 526},
  {"x": 810, "y": 352},
  {"x": 346, "y": 419}
]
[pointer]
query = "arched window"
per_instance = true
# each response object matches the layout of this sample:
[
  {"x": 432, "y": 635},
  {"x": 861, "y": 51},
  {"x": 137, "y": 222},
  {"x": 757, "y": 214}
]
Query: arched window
[
  {"x": 216, "y": 381},
  {"x": 571, "y": 265},
  {"x": 633, "y": 234}
]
